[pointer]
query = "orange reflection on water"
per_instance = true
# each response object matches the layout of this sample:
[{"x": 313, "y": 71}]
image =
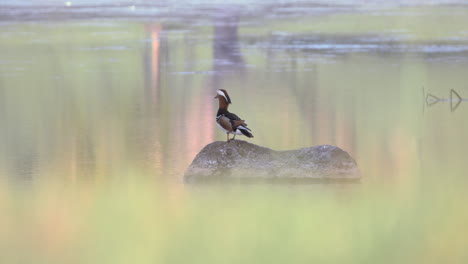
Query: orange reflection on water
[
  {"x": 155, "y": 155},
  {"x": 154, "y": 30},
  {"x": 200, "y": 123}
]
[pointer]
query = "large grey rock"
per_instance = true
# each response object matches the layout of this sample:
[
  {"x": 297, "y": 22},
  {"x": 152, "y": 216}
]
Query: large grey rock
[{"x": 239, "y": 160}]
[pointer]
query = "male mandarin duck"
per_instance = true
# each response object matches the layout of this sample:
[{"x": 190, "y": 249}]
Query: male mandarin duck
[{"x": 230, "y": 123}]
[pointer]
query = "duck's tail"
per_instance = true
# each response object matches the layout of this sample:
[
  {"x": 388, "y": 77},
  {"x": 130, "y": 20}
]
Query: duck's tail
[{"x": 245, "y": 131}]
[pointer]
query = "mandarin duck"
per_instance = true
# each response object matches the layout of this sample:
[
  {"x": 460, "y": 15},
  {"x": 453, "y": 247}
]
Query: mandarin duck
[{"x": 228, "y": 122}]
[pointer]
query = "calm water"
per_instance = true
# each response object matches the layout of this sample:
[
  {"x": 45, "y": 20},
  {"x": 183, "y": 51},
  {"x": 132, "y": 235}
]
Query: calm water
[
  {"x": 132, "y": 89},
  {"x": 104, "y": 104}
]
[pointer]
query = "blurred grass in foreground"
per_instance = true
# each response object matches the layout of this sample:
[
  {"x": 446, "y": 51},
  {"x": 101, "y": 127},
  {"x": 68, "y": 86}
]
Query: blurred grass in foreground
[
  {"x": 84, "y": 109},
  {"x": 139, "y": 222}
]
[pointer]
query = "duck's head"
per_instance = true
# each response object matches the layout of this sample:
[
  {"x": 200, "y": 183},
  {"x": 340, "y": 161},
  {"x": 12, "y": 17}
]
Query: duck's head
[{"x": 221, "y": 93}]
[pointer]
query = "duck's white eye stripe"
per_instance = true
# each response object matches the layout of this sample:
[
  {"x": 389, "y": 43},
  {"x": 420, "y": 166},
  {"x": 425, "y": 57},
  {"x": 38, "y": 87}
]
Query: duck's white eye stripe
[{"x": 222, "y": 93}]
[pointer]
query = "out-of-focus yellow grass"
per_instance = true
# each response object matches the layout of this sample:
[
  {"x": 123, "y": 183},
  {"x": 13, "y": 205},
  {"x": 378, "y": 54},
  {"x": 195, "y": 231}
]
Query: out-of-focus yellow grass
[{"x": 142, "y": 222}]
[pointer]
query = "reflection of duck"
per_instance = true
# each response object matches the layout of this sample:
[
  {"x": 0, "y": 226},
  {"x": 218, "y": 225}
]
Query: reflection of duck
[{"x": 228, "y": 122}]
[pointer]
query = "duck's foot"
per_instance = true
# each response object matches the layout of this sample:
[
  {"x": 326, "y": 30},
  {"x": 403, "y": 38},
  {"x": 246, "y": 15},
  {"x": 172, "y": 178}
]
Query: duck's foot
[{"x": 229, "y": 139}]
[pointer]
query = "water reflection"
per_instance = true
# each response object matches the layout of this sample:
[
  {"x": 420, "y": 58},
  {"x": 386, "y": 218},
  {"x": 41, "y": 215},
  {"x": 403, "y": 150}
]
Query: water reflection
[
  {"x": 226, "y": 52},
  {"x": 94, "y": 111},
  {"x": 92, "y": 100},
  {"x": 455, "y": 100}
]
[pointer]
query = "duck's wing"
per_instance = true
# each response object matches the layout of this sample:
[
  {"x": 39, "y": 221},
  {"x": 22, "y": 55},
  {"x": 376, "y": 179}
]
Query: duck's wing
[
  {"x": 239, "y": 124},
  {"x": 234, "y": 118},
  {"x": 232, "y": 123},
  {"x": 226, "y": 123}
]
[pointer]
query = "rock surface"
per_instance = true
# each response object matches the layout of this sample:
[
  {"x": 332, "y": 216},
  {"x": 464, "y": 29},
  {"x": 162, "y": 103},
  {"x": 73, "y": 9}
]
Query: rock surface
[{"x": 239, "y": 160}]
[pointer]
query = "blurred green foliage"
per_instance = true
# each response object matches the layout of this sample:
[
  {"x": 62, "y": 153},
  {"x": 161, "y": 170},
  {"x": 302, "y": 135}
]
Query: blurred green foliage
[
  {"x": 140, "y": 222},
  {"x": 103, "y": 117}
]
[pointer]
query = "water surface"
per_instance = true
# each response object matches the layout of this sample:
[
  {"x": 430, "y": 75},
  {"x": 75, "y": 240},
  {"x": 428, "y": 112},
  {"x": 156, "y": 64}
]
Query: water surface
[
  {"x": 90, "y": 97},
  {"x": 104, "y": 104}
]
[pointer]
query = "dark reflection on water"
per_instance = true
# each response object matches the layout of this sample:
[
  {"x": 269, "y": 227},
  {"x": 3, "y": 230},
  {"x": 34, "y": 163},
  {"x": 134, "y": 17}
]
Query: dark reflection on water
[
  {"x": 454, "y": 99},
  {"x": 226, "y": 50},
  {"x": 104, "y": 99}
]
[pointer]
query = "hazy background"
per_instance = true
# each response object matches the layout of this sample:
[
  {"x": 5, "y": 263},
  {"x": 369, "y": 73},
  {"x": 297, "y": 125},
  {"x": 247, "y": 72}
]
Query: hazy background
[{"x": 104, "y": 104}]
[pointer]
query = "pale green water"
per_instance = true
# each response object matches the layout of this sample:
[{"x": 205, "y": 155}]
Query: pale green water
[
  {"x": 84, "y": 98},
  {"x": 123, "y": 106}
]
